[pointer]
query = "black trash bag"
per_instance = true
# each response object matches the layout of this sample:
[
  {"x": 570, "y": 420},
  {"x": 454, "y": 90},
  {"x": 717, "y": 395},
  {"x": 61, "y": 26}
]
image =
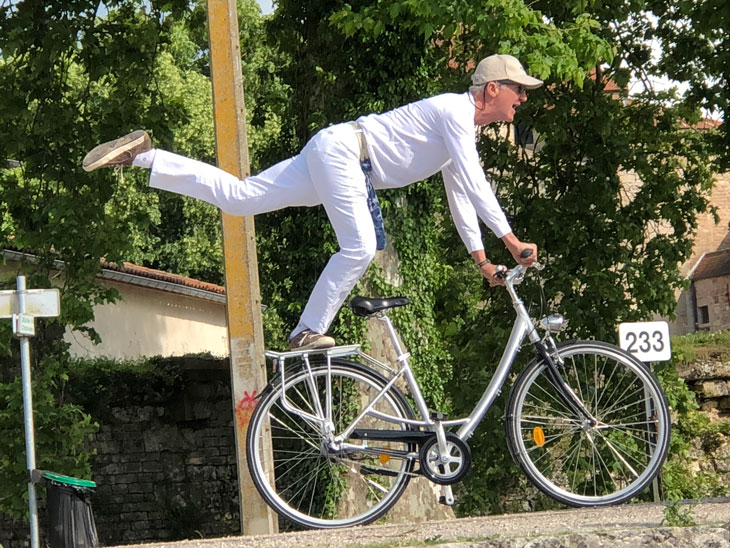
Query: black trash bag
[{"x": 70, "y": 519}]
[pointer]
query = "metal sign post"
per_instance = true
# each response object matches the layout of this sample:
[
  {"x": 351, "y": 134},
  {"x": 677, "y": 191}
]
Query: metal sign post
[
  {"x": 648, "y": 342},
  {"x": 23, "y": 307}
]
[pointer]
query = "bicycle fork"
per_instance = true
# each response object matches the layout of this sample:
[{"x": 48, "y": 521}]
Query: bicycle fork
[{"x": 566, "y": 394}]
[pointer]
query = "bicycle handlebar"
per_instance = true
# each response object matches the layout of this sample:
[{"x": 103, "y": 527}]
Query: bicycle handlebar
[{"x": 515, "y": 275}]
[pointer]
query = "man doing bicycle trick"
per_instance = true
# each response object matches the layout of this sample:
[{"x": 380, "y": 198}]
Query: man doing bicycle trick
[{"x": 343, "y": 165}]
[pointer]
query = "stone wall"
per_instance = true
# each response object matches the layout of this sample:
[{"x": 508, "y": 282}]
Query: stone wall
[
  {"x": 165, "y": 471},
  {"x": 714, "y": 293},
  {"x": 710, "y": 380},
  {"x": 711, "y": 235},
  {"x": 169, "y": 472}
]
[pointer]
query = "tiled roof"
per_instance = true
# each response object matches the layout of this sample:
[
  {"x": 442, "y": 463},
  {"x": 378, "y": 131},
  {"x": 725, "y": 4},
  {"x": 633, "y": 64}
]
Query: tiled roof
[
  {"x": 142, "y": 276},
  {"x": 151, "y": 273},
  {"x": 705, "y": 123},
  {"x": 712, "y": 265}
]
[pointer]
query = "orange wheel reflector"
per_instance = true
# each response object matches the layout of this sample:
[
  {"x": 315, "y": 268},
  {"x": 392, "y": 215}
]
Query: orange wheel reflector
[
  {"x": 383, "y": 457},
  {"x": 539, "y": 436}
]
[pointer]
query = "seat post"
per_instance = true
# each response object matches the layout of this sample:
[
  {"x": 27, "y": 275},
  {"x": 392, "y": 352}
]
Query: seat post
[{"x": 382, "y": 316}]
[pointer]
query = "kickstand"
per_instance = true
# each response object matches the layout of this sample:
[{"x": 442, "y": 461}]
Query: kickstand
[{"x": 447, "y": 497}]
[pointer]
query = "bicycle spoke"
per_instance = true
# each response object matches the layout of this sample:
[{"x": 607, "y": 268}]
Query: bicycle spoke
[{"x": 566, "y": 411}]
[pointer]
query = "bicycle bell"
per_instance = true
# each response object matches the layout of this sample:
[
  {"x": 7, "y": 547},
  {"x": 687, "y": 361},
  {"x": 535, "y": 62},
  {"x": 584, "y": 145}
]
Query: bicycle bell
[{"x": 554, "y": 323}]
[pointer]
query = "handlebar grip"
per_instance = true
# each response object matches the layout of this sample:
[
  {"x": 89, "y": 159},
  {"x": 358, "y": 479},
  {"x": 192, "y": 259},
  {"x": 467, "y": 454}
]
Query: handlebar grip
[{"x": 526, "y": 253}]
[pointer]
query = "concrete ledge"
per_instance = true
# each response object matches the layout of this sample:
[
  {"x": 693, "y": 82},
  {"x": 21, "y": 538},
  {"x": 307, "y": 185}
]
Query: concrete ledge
[{"x": 627, "y": 526}]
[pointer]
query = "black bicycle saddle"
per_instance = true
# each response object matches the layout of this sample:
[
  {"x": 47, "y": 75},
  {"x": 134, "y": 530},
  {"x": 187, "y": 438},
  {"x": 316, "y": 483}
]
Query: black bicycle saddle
[{"x": 367, "y": 306}]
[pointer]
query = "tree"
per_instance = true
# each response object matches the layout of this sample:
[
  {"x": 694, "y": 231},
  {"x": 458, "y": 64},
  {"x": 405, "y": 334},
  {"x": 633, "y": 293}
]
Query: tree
[
  {"x": 71, "y": 78},
  {"x": 74, "y": 77},
  {"x": 695, "y": 49}
]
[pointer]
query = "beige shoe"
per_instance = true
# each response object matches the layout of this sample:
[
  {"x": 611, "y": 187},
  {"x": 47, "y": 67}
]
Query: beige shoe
[
  {"x": 309, "y": 340},
  {"x": 119, "y": 152}
]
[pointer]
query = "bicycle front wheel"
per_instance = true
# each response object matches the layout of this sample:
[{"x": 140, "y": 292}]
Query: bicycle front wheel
[
  {"x": 308, "y": 483},
  {"x": 582, "y": 462}
]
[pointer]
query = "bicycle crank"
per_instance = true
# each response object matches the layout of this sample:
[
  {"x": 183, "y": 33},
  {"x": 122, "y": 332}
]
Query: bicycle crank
[{"x": 448, "y": 468}]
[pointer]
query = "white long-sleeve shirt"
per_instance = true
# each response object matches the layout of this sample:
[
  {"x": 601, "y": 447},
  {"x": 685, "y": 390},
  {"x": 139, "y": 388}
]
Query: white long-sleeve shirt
[{"x": 415, "y": 141}]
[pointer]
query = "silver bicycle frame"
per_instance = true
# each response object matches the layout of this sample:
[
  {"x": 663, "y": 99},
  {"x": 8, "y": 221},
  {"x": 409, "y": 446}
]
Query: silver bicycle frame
[{"x": 523, "y": 327}]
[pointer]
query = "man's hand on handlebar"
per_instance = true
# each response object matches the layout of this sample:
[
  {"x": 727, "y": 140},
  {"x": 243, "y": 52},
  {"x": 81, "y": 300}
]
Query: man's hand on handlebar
[
  {"x": 495, "y": 274},
  {"x": 526, "y": 255}
]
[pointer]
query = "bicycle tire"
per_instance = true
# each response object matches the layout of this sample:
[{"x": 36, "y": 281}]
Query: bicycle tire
[
  {"x": 308, "y": 486},
  {"x": 572, "y": 461}
]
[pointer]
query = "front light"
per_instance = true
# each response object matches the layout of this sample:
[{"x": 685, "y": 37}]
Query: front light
[{"x": 554, "y": 323}]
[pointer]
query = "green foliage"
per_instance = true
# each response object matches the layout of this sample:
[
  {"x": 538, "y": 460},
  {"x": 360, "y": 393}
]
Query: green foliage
[
  {"x": 73, "y": 76},
  {"x": 692, "y": 431},
  {"x": 71, "y": 79},
  {"x": 464, "y": 31},
  {"x": 61, "y": 431},
  {"x": 102, "y": 383},
  {"x": 694, "y": 45},
  {"x": 677, "y": 516},
  {"x": 703, "y": 344}
]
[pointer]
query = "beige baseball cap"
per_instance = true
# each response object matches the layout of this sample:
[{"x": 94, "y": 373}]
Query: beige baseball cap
[{"x": 503, "y": 67}]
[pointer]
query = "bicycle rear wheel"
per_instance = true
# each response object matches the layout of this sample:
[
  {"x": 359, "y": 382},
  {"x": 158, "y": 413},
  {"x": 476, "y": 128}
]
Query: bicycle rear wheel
[
  {"x": 570, "y": 459},
  {"x": 308, "y": 484}
]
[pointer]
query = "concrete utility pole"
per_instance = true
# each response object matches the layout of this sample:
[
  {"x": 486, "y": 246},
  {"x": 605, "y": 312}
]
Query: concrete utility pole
[{"x": 245, "y": 330}]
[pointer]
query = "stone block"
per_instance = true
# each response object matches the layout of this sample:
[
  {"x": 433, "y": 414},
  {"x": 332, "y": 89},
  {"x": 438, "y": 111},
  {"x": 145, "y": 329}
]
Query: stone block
[
  {"x": 722, "y": 459},
  {"x": 703, "y": 370},
  {"x": 709, "y": 405},
  {"x": 714, "y": 389},
  {"x": 107, "y": 447},
  {"x": 131, "y": 467},
  {"x": 152, "y": 466},
  {"x": 133, "y": 443},
  {"x": 133, "y": 415},
  {"x": 206, "y": 452},
  {"x": 120, "y": 489},
  {"x": 161, "y": 438},
  {"x": 141, "y": 488}
]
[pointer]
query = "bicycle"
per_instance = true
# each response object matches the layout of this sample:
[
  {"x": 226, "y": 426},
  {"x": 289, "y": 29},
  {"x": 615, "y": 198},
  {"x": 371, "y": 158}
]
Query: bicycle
[{"x": 586, "y": 422}]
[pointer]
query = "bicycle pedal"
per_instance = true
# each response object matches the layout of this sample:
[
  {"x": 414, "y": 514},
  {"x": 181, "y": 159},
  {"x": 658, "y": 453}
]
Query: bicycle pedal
[
  {"x": 445, "y": 502},
  {"x": 438, "y": 416}
]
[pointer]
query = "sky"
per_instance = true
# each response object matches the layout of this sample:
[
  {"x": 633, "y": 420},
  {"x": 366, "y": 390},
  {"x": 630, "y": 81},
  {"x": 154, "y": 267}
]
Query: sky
[{"x": 266, "y": 6}]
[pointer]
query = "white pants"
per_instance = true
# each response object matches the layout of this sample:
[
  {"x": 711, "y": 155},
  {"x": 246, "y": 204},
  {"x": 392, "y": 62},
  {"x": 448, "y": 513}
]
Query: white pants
[{"x": 327, "y": 171}]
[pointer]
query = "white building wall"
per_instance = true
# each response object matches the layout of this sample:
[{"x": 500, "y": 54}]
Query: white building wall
[{"x": 151, "y": 322}]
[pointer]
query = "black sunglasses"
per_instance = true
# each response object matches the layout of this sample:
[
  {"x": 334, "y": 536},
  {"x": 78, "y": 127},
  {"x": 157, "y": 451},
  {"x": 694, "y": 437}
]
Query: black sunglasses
[{"x": 520, "y": 89}]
